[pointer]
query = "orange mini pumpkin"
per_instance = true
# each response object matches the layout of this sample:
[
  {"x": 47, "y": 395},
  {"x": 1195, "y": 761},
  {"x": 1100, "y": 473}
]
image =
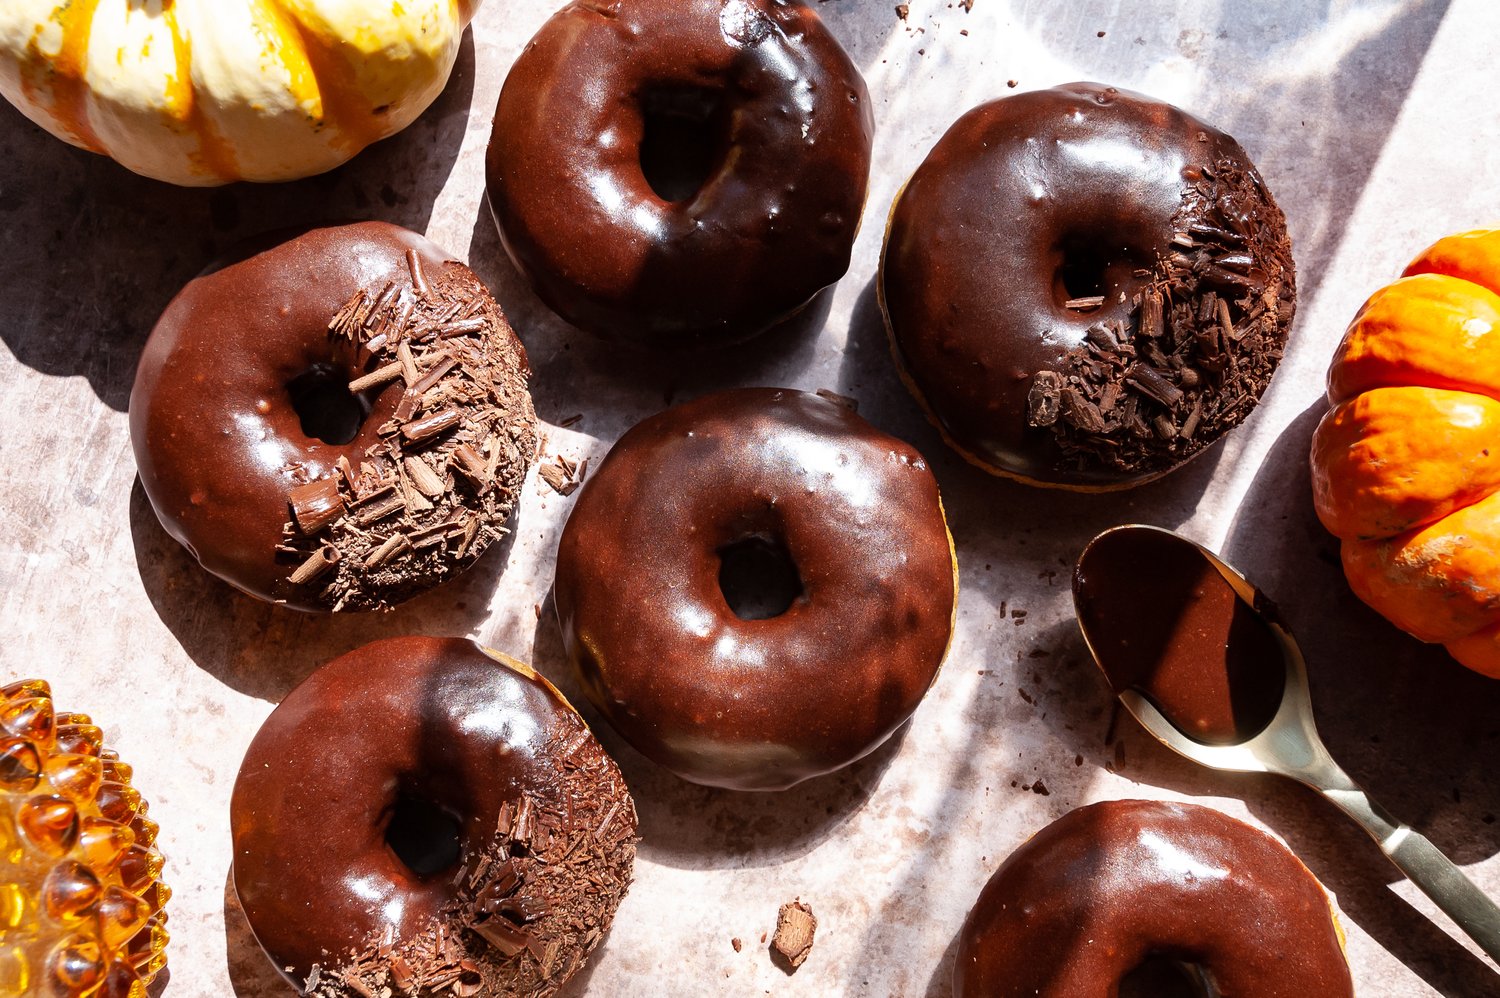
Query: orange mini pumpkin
[{"x": 1406, "y": 466}]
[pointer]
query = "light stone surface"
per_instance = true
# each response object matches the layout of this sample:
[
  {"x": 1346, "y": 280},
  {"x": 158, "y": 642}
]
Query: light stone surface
[{"x": 1375, "y": 125}]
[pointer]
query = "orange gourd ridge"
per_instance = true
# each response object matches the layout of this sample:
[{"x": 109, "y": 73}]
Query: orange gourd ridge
[
  {"x": 82, "y": 905},
  {"x": 1406, "y": 463}
]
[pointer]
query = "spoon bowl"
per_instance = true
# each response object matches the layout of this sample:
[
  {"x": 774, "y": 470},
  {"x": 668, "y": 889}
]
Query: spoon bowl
[{"x": 1288, "y": 744}]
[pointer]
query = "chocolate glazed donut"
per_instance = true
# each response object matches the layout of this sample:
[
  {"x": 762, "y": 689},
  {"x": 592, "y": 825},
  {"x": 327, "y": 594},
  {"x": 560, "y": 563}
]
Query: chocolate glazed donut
[
  {"x": 1124, "y": 890},
  {"x": 336, "y": 422},
  {"x": 757, "y": 587},
  {"x": 417, "y": 813},
  {"x": 680, "y": 172},
  {"x": 1086, "y": 287}
]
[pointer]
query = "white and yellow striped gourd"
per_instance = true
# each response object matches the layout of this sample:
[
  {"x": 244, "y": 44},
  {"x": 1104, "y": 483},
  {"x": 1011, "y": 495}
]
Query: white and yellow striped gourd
[{"x": 203, "y": 92}]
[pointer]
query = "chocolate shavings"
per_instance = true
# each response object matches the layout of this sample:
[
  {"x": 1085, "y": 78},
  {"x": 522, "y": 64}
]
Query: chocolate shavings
[
  {"x": 1200, "y": 344},
  {"x": 436, "y": 488},
  {"x": 527, "y": 909}
]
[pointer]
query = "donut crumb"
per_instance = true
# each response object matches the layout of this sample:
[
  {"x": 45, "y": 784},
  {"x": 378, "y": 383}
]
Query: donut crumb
[{"x": 795, "y": 926}]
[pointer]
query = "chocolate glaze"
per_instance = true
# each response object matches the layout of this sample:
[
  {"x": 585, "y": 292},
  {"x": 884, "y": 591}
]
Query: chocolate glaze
[
  {"x": 435, "y": 719},
  {"x": 757, "y": 704},
  {"x": 1095, "y": 894},
  {"x": 772, "y": 225},
  {"x": 972, "y": 278},
  {"x": 218, "y": 443},
  {"x": 1164, "y": 622}
]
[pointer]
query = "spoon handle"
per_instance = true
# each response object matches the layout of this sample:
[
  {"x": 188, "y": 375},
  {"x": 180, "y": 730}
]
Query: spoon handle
[{"x": 1425, "y": 865}]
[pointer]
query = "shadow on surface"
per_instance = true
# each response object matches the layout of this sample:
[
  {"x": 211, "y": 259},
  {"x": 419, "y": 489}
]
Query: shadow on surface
[
  {"x": 130, "y": 242},
  {"x": 940, "y": 984},
  {"x": 1416, "y": 729},
  {"x": 263, "y": 650},
  {"x": 1419, "y": 731},
  {"x": 692, "y": 827},
  {"x": 1018, "y": 687},
  {"x": 616, "y": 386},
  {"x": 250, "y": 970},
  {"x": 1326, "y": 86}
]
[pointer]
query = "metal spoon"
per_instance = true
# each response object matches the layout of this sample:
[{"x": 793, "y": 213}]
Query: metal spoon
[{"x": 1289, "y": 746}]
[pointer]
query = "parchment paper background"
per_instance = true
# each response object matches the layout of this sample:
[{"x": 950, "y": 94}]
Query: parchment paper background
[{"x": 1375, "y": 125}]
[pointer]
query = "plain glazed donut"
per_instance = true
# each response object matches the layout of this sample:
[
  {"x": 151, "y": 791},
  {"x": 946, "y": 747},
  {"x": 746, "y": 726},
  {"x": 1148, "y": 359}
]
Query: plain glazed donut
[
  {"x": 1086, "y": 287},
  {"x": 769, "y": 221},
  {"x": 1111, "y": 888},
  {"x": 788, "y": 489},
  {"x": 337, "y": 422},
  {"x": 418, "y": 813}
]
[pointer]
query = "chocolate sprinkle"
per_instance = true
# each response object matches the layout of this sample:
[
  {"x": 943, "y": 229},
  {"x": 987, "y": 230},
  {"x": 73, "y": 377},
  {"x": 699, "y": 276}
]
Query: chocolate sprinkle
[
  {"x": 315, "y": 505},
  {"x": 1202, "y": 342},
  {"x": 436, "y": 490},
  {"x": 528, "y": 909}
]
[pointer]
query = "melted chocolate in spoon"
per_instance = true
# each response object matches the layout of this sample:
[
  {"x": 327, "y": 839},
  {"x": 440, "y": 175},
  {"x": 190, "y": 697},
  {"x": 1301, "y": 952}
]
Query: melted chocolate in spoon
[
  {"x": 1164, "y": 622},
  {"x": 1213, "y": 675}
]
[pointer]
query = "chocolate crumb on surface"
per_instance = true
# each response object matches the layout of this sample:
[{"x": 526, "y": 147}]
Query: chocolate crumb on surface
[
  {"x": 1201, "y": 344},
  {"x": 435, "y": 491},
  {"x": 795, "y": 926},
  {"x": 562, "y": 475},
  {"x": 527, "y": 911},
  {"x": 851, "y": 404}
]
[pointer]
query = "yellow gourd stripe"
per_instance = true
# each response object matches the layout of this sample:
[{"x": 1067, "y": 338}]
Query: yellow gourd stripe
[
  {"x": 217, "y": 90},
  {"x": 350, "y": 124},
  {"x": 33, "y": 67},
  {"x": 214, "y": 153},
  {"x": 291, "y": 52},
  {"x": 69, "y": 86}
]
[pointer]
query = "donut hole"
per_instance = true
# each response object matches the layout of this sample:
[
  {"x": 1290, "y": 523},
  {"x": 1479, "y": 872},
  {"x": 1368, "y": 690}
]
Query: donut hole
[
  {"x": 324, "y": 405},
  {"x": 1162, "y": 976},
  {"x": 424, "y": 837},
  {"x": 1082, "y": 271},
  {"x": 686, "y": 133},
  {"x": 758, "y": 578}
]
